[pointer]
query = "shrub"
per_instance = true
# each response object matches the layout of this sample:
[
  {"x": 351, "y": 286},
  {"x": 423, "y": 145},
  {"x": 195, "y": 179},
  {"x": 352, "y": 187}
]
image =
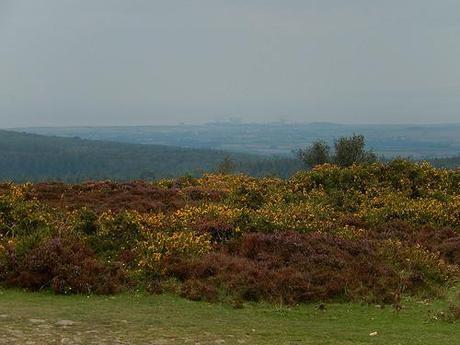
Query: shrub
[
  {"x": 350, "y": 150},
  {"x": 290, "y": 267},
  {"x": 451, "y": 314},
  {"x": 368, "y": 232},
  {"x": 317, "y": 153},
  {"x": 197, "y": 290},
  {"x": 160, "y": 247},
  {"x": 8, "y": 260},
  {"x": 219, "y": 221},
  {"x": 116, "y": 232},
  {"x": 444, "y": 241},
  {"x": 22, "y": 217},
  {"x": 65, "y": 265},
  {"x": 85, "y": 222},
  {"x": 419, "y": 270}
]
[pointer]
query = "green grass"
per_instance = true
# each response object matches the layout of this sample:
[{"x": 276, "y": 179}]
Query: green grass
[{"x": 141, "y": 319}]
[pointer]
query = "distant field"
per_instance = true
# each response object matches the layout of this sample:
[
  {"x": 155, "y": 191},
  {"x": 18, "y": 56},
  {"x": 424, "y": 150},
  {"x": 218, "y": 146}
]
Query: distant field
[
  {"x": 417, "y": 141},
  {"x": 38, "y": 318}
]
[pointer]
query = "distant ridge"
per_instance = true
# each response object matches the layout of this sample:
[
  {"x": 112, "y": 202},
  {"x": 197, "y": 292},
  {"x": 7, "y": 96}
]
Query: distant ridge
[
  {"x": 32, "y": 157},
  {"x": 409, "y": 140}
]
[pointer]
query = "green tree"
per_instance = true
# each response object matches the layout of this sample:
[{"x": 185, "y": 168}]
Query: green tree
[
  {"x": 351, "y": 150},
  {"x": 347, "y": 151},
  {"x": 317, "y": 153},
  {"x": 227, "y": 166}
]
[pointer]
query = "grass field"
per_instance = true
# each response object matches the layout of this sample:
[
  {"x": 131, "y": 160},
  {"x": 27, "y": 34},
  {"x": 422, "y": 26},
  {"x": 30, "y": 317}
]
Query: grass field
[{"x": 37, "y": 318}]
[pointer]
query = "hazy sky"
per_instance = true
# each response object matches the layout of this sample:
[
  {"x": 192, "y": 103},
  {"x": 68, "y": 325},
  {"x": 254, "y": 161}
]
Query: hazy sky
[{"x": 117, "y": 62}]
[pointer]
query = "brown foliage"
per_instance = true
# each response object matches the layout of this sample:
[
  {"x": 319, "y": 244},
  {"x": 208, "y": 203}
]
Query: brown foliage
[
  {"x": 197, "y": 290},
  {"x": 290, "y": 267},
  {"x": 67, "y": 266},
  {"x": 101, "y": 196},
  {"x": 445, "y": 241}
]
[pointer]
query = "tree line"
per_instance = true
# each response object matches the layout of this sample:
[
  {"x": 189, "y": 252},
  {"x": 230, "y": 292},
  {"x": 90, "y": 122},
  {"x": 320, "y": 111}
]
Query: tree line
[{"x": 29, "y": 157}]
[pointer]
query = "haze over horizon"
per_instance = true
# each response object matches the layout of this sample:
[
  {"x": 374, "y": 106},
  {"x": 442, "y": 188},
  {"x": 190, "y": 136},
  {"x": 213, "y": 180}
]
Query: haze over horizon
[
  {"x": 231, "y": 121},
  {"x": 148, "y": 62}
]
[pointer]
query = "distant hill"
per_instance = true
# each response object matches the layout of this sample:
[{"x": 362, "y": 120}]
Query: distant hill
[
  {"x": 31, "y": 157},
  {"x": 449, "y": 162},
  {"x": 413, "y": 140}
]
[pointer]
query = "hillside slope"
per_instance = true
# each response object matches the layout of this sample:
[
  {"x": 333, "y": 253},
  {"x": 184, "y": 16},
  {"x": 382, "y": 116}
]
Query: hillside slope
[
  {"x": 416, "y": 141},
  {"x": 30, "y": 157}
]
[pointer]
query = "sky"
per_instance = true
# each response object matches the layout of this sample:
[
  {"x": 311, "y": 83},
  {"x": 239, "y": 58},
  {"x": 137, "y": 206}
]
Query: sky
[{"x": 148, "y": 62}]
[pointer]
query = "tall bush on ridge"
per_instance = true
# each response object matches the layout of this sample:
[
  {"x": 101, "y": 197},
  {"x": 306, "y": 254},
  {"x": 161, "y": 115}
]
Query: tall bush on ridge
[
  {"x": 347, "y": 151},
  {"x": 350, "y": 150},
  {"x": 227, "y": 166},
  {"x": 317, "y": 153}
]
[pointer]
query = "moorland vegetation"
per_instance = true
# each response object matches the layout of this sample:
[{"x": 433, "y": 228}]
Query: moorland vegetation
[{"x": 371, "y": 232}]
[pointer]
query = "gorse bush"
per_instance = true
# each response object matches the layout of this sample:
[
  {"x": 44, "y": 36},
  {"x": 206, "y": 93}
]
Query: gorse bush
[
  {"x": 19, "y": 215},
  {"x": 365, "y": 232},
  {"x": 160, "y": 248}
]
